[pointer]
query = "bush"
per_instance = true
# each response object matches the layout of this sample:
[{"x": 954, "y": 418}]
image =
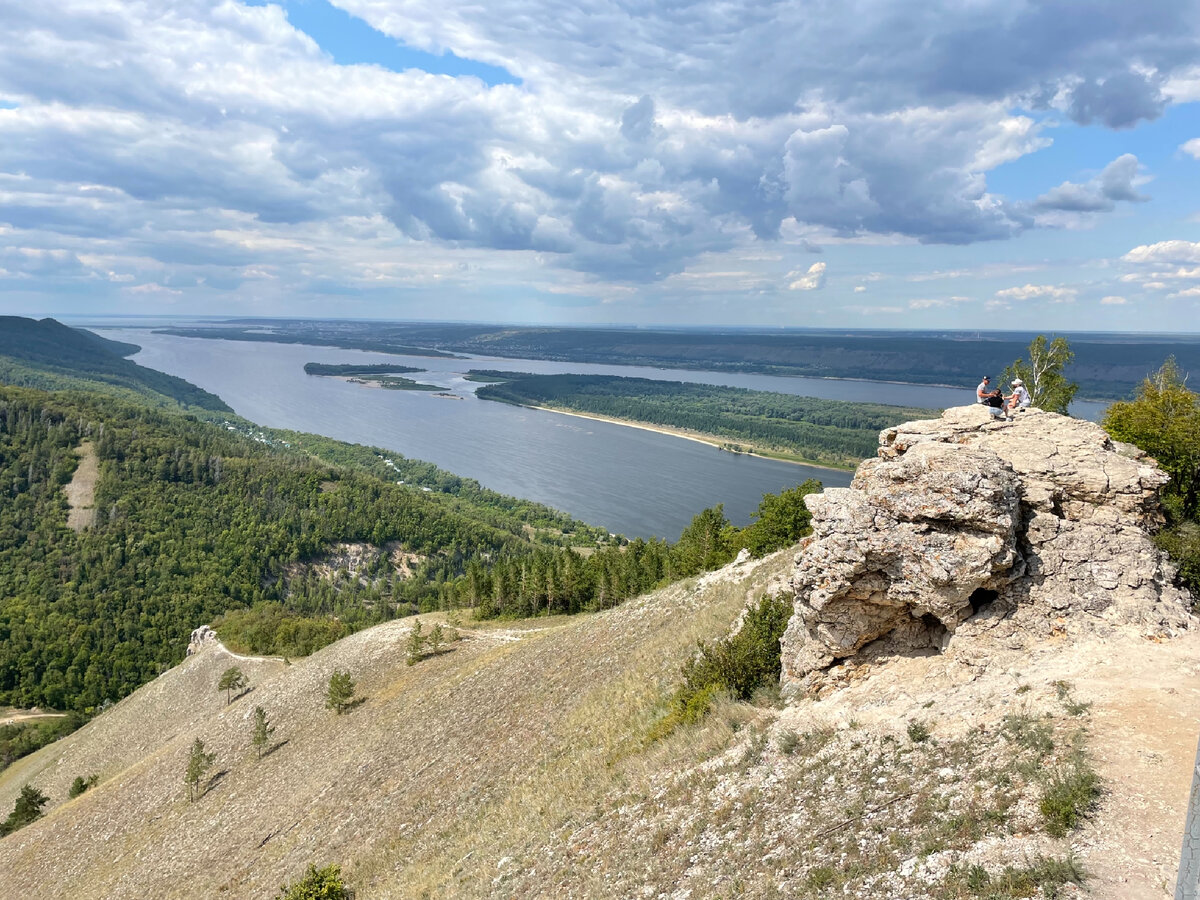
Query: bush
[
  {"x": 918, "y": 732},
  {"x": 317, "y": 884},
  {"x": 737, "y": 665},
  {"x": 81, "y": 784}
]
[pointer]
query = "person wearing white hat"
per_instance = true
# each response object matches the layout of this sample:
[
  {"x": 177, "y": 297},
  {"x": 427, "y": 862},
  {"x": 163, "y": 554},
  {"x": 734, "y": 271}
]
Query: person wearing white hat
[{"x": 1019, "y": 399}]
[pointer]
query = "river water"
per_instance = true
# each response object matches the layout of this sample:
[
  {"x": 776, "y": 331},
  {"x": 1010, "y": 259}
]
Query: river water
[{"x": 627, "y": 480}]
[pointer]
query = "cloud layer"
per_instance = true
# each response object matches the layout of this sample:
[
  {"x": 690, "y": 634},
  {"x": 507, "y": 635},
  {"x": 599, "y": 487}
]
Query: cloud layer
[{"x": 176, "y": 146}]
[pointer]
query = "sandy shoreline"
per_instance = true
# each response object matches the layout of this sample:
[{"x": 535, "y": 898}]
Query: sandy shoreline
[{"x": 687, "y": 435}]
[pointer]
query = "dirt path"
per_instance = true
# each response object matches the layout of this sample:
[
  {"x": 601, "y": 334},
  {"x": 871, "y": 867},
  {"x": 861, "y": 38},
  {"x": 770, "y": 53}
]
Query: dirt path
[
  {"x": 1146, "y": 718},
  {"x": 27, "y": 715},
  {"x": 81, "y": 492}
]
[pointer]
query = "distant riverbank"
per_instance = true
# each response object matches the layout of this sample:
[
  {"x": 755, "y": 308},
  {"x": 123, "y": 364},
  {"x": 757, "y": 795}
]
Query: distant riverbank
[{"x": 710, "y": 439}]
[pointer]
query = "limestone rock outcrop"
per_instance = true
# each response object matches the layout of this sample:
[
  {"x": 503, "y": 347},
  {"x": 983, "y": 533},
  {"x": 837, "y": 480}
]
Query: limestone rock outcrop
[
  {"x": 972, "y": 536},
  {"x": 201, "y": 638}
]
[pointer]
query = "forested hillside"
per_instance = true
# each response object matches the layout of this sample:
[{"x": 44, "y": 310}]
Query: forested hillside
[
  {"x": 48, "y": 355},
  {"x": 832, "y": 432},
  {"x": 192, "y": 519}
]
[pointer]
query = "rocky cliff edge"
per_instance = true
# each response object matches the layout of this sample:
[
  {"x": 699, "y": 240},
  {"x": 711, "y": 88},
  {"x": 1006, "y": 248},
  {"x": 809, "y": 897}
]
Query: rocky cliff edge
[{"x": 973, "y": 538}]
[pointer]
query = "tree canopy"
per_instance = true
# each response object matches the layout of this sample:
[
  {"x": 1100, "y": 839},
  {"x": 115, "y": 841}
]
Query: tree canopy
[
  {"x": 1164, "y": 420},
  {"x": 1043, "y": 375}
]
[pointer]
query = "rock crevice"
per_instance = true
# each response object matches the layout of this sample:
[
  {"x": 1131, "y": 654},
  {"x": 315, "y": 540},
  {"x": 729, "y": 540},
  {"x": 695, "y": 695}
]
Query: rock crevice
[{"x": 971, "y": 536}]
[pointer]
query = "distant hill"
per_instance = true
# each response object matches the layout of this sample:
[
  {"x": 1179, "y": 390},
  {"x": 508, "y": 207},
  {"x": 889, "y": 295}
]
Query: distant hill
[
  {"x": 46, "y": 354},
  {"x": 1106, "y": 366}
]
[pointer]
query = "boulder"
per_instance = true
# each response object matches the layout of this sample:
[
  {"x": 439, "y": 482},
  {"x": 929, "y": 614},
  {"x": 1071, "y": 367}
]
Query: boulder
[{"x": 971, "y": 536}]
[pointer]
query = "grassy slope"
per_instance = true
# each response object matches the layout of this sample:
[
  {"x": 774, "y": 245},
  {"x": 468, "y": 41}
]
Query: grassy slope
[
  {"x": 513, "y": 766},
  {"x": 486, "y": 747}
]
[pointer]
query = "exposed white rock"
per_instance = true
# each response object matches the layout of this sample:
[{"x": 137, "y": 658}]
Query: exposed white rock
[
  {"x": 201, "y": 637},
  {"x": 972, "y": 536}
]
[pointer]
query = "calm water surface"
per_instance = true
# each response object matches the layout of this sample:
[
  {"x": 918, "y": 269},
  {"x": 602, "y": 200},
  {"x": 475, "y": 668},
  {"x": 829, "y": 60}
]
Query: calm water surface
[
  {"x": 627, "y": 480},
  {"x": 624, "y": 479}
]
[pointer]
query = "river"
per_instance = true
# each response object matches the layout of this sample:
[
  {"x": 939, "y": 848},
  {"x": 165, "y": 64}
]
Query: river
[{"x": 627, "y": 480}]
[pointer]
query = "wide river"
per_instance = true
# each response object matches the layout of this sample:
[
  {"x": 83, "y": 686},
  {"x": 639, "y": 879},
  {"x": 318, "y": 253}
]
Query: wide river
[{"x": 627, "y": 480}]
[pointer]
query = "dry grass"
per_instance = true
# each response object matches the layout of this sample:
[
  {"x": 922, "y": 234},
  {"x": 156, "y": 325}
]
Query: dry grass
[
  {"x": 446, "y": 768},
  {"x": 81, "y": 492},
  {"x": 516, "y": 764}
]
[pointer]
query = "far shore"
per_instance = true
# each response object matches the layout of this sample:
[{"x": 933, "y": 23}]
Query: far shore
[{"x": 711, "y": 440}]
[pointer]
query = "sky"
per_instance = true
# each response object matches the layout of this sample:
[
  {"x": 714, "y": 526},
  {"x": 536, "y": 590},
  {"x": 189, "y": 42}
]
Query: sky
[{"x": 992, "y": 164}]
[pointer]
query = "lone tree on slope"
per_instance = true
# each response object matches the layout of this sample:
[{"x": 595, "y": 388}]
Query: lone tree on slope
[
  {"x": 340, "y": 695},
  {"x": 232, "y": 680},
  {"x": 262, "y": 730},
  {"x": 27, "y": 808},
  {"x": 199, "y": 762}
]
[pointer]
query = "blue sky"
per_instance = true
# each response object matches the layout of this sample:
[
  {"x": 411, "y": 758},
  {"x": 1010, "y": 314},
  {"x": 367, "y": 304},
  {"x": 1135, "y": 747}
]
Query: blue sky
[{"x": 870, "y": 163}]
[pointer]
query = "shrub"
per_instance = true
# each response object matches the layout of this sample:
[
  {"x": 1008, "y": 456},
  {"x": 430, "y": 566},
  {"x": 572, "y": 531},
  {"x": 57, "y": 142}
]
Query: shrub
[
  {"x": 81, "y": 784},
  {"x": 737, "y": 665},
  {"x": 918, "y": 732},
  {"x": 317, "y": 884}
]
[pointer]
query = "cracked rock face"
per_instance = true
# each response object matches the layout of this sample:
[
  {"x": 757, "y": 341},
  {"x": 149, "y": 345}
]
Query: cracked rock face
[{"x": 970, "y": 536}]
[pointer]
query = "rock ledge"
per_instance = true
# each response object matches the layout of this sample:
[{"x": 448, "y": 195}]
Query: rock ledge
[{"x": 973, "y": 537}]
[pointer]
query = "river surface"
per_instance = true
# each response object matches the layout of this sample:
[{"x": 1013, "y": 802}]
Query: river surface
[{"x": 627, "y": 480}]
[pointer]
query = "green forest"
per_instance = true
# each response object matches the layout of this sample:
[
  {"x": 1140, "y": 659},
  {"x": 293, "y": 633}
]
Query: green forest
[
  {"x": 196, "y": 520},
  {"x": 829, "y": 432},
  {"x": 193, "y": 519},
  {"x": 51, "y": 356}
]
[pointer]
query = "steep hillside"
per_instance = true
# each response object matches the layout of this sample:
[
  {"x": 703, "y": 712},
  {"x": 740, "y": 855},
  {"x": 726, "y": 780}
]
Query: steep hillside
[
  {"x": 487, "y": 748},
  {"x": 516, "y": 765},
  {"x": 190, "y": 519},
  {"x": 49, "y": 355}
]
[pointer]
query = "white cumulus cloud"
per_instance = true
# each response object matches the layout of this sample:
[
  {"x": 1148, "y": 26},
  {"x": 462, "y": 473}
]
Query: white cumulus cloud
[
  {"x": 811, "y": 280},
  {"x": 1053, "y": 293}
]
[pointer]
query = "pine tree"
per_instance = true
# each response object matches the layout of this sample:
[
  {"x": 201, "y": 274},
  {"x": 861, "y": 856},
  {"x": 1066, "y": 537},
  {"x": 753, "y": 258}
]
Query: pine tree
[
  {"x": 232, "y": 680},
  {"x": 340, "y": 695},
  {"x": 415, "y": 643},
  {"x": 262, "y": 730},
  {"x": 436, "y": 636},
  {"x": 199, "y": 762},
  {"x": 27, "y": 809}
]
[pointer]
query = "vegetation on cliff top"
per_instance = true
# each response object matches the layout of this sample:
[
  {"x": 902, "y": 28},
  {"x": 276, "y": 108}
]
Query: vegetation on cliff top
[{"x": 1164, "y": 420}]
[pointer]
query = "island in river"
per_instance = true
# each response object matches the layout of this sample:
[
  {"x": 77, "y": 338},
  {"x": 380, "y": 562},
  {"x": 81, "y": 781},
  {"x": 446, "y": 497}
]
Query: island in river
[
  {"x": 380, "y": 375},
  {"x": 829, "y": 433}
]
